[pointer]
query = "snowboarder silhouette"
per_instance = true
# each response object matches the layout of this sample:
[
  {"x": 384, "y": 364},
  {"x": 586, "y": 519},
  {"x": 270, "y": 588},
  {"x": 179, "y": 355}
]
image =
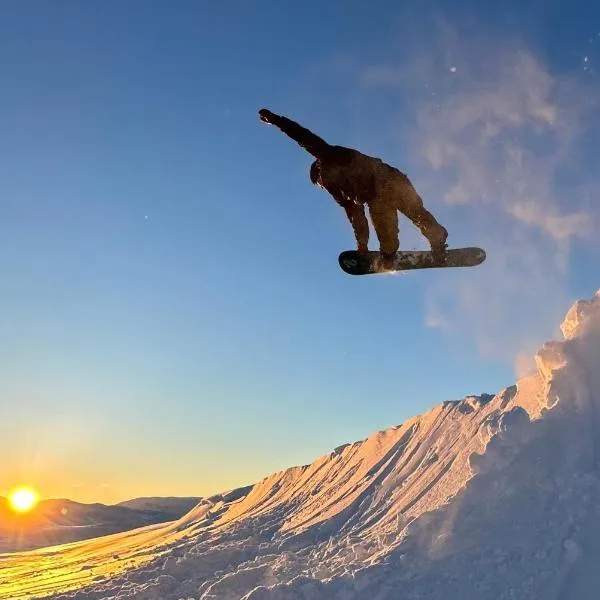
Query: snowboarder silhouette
[{"x": 354, "y": 179}]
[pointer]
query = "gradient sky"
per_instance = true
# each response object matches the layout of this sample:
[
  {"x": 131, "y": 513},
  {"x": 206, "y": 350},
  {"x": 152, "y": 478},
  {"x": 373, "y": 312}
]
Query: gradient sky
[{"x": 173, "y": 318}]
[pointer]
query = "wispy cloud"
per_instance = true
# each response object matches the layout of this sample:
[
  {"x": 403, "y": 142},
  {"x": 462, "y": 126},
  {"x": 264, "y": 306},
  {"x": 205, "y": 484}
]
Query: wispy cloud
[{"x": 498, "y": 151}]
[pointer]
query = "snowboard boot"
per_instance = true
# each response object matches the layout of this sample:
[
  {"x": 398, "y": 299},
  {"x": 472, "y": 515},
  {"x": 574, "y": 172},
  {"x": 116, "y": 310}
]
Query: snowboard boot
[
  {"x": 386, "y": 260},
  {"x": 437, "y": 236}
]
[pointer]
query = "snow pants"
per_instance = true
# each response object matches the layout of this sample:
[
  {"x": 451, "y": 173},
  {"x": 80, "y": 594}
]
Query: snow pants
[{"x": 398, "y": 194}]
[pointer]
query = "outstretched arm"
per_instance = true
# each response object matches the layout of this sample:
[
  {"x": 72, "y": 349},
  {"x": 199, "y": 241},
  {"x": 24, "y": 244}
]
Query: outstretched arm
[
  {"x": 307, "y": 139},
  {"x": 360, "y": 225}
]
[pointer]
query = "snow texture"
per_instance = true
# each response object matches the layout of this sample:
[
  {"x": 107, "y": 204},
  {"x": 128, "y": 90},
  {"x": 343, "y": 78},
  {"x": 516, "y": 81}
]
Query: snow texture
[{"x": 491, "y": 497}]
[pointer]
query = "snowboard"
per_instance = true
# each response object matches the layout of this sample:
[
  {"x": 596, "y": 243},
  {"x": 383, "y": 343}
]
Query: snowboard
[{"x": 369, "y": 263}]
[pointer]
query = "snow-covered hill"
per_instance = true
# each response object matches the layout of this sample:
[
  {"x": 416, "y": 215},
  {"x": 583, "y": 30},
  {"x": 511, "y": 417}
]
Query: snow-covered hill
[{"x": 492, "y": 497}]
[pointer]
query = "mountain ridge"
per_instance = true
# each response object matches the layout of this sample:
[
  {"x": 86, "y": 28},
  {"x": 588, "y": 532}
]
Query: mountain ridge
[{"x": 60, "y": 520}]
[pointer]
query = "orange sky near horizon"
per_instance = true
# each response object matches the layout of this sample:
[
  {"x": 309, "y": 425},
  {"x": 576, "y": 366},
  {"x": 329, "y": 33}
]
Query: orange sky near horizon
[
  {"x": 90, "y": 491},
  {"x": 99, "y": 461},
  {"x": 83, "y": 483}
]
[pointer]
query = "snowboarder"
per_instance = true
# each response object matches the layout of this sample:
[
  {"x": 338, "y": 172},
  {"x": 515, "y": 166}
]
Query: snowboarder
[{"x": 354, "y": 179}]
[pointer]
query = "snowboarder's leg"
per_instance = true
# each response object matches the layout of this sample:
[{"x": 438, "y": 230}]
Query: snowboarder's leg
[
  {"x": 410, "y": 204},
  {"x": 385, "y": 222}
]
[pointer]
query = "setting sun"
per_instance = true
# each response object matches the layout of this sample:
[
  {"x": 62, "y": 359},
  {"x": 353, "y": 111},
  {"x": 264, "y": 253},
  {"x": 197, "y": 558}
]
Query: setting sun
[{"x": 23, "y": 499}]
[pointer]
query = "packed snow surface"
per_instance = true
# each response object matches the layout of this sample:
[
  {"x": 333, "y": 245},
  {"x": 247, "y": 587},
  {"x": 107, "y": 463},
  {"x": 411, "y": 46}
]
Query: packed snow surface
[{"x": 491, "y": 497}]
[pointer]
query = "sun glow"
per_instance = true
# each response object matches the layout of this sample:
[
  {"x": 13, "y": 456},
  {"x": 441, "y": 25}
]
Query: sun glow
[{"x": 23, "y": 499}]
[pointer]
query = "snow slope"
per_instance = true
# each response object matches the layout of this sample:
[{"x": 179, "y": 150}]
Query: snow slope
[{"x": 491, "y": 497}]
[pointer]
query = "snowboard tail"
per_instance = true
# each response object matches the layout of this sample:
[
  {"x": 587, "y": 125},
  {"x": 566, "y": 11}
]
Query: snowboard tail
[{"x": 368, "y": 263}]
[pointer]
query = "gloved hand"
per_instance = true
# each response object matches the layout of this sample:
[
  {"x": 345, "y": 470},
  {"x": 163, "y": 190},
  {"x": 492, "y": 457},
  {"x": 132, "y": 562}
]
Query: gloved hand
[{"x": 266, "y": 116}]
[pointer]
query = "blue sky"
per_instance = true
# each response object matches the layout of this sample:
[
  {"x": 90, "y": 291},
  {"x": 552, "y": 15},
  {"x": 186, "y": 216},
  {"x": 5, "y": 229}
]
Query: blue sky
[{"x": 173, "y": 318}]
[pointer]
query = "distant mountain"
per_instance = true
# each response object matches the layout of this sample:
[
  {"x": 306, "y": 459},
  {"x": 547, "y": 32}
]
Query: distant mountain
[
  {"x": 61, "y": 521},
  {"x": 172, "y": 505}
]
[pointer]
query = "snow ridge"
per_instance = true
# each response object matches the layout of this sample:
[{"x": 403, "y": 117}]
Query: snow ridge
[{"x": 493, "y": 496}]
